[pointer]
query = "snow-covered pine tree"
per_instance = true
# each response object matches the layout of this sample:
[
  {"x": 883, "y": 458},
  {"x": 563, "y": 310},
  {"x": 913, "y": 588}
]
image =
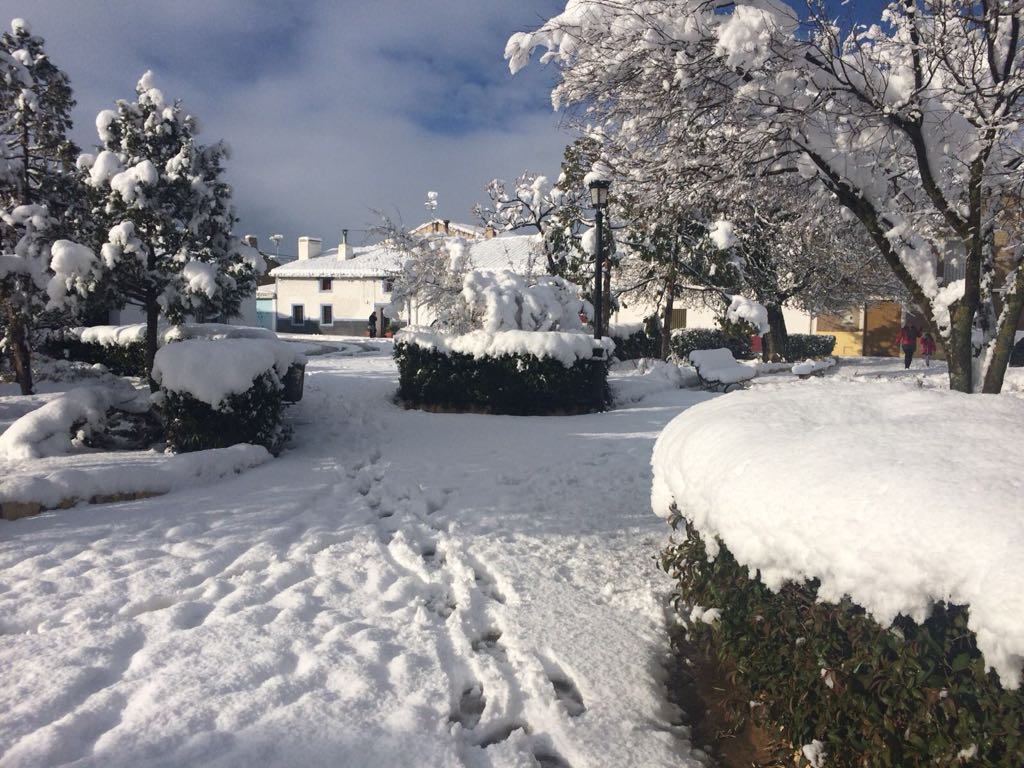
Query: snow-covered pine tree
[
  {"x": 36, "y": 168},
  {"x": 167, "y": 213}
]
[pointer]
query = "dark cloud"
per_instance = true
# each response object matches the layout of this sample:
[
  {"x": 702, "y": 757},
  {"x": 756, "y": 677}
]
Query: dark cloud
[{"x": 331, "y": 108}]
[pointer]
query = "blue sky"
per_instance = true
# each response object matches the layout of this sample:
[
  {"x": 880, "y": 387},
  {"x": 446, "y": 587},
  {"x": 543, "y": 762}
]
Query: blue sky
[{"x": 331, "y": 107}]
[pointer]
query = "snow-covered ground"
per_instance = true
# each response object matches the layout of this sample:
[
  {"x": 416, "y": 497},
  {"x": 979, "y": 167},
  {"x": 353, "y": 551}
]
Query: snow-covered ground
[{"x": 398, "y": 589}]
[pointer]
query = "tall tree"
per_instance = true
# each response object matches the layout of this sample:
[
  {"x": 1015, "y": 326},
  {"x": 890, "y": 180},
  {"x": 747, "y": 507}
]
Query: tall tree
[
  {"x": 168, "y": 245},
  {"x": 36, "y": 185},
  {"x": 912, "y": 124}
]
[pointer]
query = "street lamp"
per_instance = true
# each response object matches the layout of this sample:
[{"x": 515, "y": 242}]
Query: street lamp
[{"x": 599, "y": 199}]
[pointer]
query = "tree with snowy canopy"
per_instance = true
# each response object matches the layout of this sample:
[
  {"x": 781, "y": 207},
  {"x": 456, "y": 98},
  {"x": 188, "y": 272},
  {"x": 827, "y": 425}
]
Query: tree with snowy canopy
[
  {"x": 36, "y": 186},
  {"x": 912, "y": 124},
  {"x": 168, "y": 245}
]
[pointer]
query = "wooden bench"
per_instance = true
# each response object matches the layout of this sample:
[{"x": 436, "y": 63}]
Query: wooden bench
[{"x": 718, "y": 370}]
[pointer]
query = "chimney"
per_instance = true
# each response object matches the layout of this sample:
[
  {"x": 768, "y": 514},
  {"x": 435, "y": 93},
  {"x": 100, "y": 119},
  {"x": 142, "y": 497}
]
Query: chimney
[
  {"x": 309, "y": 248},
  {"x": 251, "y": 241},
  {"x": 447, "y": 222},
  {"x": 489, "y": 231},
  {"x": 345, "y": 250}
]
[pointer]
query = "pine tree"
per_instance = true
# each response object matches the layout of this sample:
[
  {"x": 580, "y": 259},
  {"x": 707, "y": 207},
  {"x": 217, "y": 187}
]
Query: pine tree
[
  {"x": 35, "y": 181},
  {"x": 167, "y": 213}
]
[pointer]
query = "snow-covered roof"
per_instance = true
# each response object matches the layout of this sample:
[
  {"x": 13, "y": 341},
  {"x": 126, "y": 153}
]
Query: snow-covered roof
[
  {"x": 266, "y": 291},
  {"x": 516, "y": 252}
]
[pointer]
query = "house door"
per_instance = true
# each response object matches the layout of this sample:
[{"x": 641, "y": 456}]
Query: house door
[{"x": 881, "y": 327}]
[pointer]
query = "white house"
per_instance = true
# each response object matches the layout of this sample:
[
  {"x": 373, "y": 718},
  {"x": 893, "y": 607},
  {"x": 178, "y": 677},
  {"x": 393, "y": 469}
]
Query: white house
[{"x": 336, "y": 291}]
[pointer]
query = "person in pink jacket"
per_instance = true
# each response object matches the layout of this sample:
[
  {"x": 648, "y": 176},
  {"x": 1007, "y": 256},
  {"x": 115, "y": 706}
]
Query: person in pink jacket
[
  {"x": 927, "y": 348},
  {"x": 907, "y": 341}
]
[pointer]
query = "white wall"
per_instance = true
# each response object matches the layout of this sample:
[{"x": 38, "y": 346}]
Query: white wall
[{"x": 351, "y": 298}]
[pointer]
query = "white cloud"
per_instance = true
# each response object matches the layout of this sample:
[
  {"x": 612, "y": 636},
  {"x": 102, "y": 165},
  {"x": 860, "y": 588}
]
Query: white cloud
[{"x": 331, "y": 108}]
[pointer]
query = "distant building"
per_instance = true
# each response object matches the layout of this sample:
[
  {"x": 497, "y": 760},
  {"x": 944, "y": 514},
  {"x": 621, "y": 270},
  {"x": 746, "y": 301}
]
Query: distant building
[{"x": 336, "y": 291}]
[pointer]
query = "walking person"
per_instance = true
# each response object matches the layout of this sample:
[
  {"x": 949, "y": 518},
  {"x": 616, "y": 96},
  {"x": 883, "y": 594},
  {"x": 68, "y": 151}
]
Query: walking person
[
  {"x": 373, "y": 325},
  {"x": 907, "y": 341},
  {"x": 927, "y": 348}
]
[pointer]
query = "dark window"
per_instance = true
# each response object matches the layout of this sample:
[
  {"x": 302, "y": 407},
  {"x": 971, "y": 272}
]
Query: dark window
[
  {"x": 326, "y": 283},
  {"x": 388, "y": 286},
  {"x": 326, "y": 314},
  {"x": 298, "y": 314}
]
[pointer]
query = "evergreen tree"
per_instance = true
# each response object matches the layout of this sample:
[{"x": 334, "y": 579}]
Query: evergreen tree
[
  {"x": 167, "y": 213},
  {"x": 36, "y": 186}
]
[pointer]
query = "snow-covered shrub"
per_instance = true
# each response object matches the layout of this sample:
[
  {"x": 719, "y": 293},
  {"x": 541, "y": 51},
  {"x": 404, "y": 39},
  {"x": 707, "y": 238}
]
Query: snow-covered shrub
[
  {"x": 688, "y": 340},
  {"x": 640, "y": 340},
  {"x": 802, "y": 346},
  {"x": 65, "y": 422},
  {"x": 219, "y": 393},
  {"x": 911, "y": 694},
  {"x": 506, "y": 301},
  {"x": 515, "y": 372}
]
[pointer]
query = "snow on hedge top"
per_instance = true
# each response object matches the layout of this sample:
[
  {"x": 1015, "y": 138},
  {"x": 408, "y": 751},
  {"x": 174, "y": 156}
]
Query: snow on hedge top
[
  {"x": 719, "y": 365},
  {"x": 122, "y": 335},
  {"x": 567, "y": 348},
  {"x": 211, "y": 371},
  {"x": 857, "y": 485}
]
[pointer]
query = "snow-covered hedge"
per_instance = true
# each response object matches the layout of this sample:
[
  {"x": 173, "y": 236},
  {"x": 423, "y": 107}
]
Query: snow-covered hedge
[
  {"x": 869, "y": 598},
  {"x": 218, "y": 393},
  {"x": 801, "y": 346},
  {"x": 516, "y": 372},
  {"x": 687, "y": 340},
  {"x": 634, "y": 341},
  {"x": 122, "y": 348}
]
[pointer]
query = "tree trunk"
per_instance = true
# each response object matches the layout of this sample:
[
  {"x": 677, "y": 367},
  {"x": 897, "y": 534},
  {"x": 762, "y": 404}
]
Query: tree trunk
[
  {"x": 1006, "y": 331},
  {"x": 21, "y": 354},
  {"x": 666, "y": 323},
  {"x": 959, "y": 353},
  {"x": 777, "y": 338},
  {"x": 152, "y": 318}
]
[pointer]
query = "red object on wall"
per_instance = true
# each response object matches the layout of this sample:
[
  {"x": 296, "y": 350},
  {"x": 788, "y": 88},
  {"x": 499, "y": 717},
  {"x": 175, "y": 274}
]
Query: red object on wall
[{"x": 755, "y": 344}]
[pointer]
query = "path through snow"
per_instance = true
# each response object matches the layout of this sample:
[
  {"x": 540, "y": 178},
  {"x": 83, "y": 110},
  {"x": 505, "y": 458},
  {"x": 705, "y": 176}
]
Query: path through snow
[{"x": 398, "y": 589}]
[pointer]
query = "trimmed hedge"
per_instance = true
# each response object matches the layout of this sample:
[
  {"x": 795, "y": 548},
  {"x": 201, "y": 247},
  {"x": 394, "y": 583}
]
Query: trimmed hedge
[
  {"x": 637, "y": 345},
  {"x": 120, "y": 359},
  {"x": 1017, "y": 355},
  {"x": 803, "y": 346},
  {"x": 689, "y": 340},
  {"x": 509, "y": 384},
  {"x": 253, "y": 416},
  {"x": 912, "y": 694}
]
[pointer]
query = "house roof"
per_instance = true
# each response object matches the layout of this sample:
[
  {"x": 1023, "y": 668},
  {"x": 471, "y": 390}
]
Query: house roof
[{"x": 520, "y": 253}]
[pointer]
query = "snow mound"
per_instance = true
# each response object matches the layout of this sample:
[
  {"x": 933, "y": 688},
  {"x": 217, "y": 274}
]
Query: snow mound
[
  {"x": 647, "y": 378},
  {"x": 808, "y": 367},
  {"x": 567, "y": 348},
  {"x": 132, "y": 472},
  {"x": 47, "y": 431},
  {"x": 212, "y": 370},
  {"x": 850, "y": 483}
]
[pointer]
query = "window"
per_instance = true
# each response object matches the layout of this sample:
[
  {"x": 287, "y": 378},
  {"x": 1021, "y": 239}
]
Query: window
[
  {"x": 326, "y": 284},
  {"x": 678, "y": 317},
  {"x": 326, "y": 314},
  {"x": 387, "y": 286},
  {"x": 298, "y": 314}
]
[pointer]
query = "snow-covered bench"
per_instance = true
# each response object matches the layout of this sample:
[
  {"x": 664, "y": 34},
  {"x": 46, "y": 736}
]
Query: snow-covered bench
[
  {"x": 809, "y": 368},
  {"x": 718, "y": 369}
]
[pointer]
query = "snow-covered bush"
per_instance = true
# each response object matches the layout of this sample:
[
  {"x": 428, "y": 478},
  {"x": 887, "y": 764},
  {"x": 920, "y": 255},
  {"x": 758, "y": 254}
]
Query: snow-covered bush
[
  {"x": 515, "y": 372},
  {"x": 636, "y": 341},
  {"x": 809, "y": 345},
  {"x": 910, "y": 694},
  {"x": 223, "y": 392},
  {"x": 688, "y": 340},
  {"x": 65, "y": 422},
  {"x": 886, "y": 621},
  {"x": 506, "y": 301}
]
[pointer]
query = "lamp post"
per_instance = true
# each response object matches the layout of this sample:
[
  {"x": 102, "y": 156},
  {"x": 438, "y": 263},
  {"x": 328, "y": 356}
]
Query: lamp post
[{"x": 599, "y": 199}]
